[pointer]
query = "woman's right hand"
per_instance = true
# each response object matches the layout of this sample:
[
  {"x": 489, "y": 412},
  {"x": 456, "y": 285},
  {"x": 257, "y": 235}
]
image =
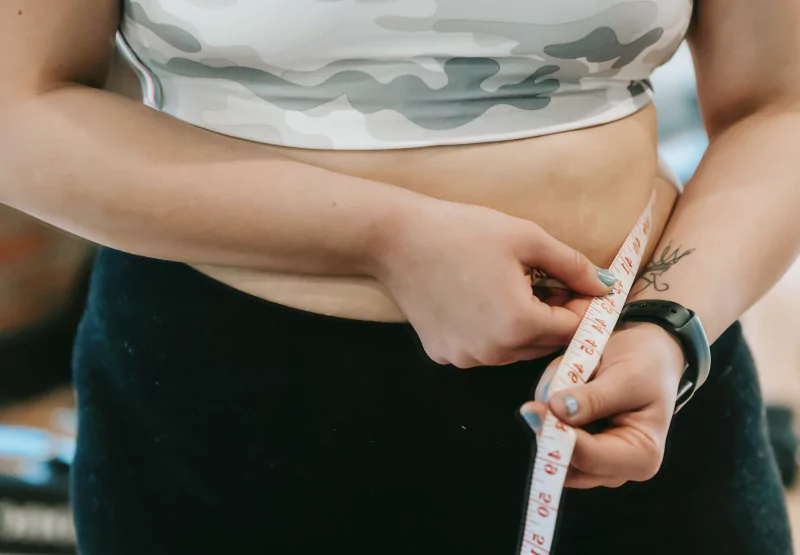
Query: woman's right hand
[{"x": 460, "y": 274}]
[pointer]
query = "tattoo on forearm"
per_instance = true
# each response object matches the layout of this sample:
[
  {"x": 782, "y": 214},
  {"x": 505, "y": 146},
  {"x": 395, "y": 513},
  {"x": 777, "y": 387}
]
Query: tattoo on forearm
[{"x": 653, "y": 274}]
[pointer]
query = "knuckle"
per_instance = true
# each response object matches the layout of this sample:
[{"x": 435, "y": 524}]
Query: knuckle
[
  {"x": 580, "y": 262},
  {"x": 437, "y": 353},
  {"x": 653, "y": 455},
  {"x": 596, "y": 402},
  {"x": 585, "y": 464},
  {"x": 489, "y": 355},
  {"x": 463, "y": 360}
]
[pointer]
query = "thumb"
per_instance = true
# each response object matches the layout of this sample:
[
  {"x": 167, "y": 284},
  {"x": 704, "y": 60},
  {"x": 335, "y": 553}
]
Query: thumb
[
  {"x": 533, "y": 414},
  {"x": 568, "y": 266},
  {"x": 611, "y": 393}
]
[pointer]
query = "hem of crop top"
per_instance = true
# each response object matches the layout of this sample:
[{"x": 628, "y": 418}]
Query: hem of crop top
[
  {"x": 607, "y": 116},
  {"x": 346, "y": 142}
]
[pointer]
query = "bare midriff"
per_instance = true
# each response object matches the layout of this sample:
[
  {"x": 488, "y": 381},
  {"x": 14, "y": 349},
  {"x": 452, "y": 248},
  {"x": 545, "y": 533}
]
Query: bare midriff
[{"x": 585, "y": 187}]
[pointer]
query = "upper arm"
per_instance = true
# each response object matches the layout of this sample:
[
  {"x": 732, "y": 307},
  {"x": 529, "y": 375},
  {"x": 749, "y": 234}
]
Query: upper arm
[
  {"x": 747, "y": 56},
  {"x": 44, "y": 43}
]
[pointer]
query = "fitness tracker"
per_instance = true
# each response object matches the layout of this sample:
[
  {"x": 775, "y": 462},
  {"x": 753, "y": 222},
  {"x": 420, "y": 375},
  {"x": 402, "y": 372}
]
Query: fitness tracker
[{"x": 683, "y": 325}]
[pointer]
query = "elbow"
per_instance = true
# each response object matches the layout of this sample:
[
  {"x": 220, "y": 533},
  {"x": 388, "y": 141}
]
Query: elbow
[{"x": 724, "y": 114}]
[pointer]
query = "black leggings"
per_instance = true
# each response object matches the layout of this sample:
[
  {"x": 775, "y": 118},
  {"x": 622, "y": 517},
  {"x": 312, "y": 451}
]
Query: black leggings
[{"x": 214, "y": 422}]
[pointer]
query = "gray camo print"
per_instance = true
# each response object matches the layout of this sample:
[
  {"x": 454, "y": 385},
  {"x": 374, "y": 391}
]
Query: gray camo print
[
  {"x": 376, "y": 74},
  {"x": 171, "y": 34}
]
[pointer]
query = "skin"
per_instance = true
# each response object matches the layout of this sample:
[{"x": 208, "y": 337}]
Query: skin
[
  {"x": 344, "y": 233},
  {"x": 359, "y": 234},
  {"x": 738, "y": 219}
]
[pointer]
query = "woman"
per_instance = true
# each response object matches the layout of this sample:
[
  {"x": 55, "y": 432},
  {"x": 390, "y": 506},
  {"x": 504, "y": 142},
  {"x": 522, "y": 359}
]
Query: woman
[{"x": 323, "y": 178}]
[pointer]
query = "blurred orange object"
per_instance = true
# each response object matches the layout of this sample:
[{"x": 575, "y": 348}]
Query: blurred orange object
[
  {"x": 43, "y": 279},
  {"x": 39, "y": 269}
]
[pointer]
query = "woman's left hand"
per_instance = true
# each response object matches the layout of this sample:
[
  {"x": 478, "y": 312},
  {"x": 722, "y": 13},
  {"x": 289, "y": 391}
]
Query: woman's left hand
[{"x": 634, "y": 392}]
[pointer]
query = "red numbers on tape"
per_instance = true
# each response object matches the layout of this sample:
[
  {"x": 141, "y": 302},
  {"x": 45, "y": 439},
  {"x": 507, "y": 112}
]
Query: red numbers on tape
[
  {"x": 538, "y": 540},
  {"x": 553, "y": 461},
  {"x": 627, "y": 265},
  {"x": 589, "y": 346},
  {"x": 600, "y": 325}
]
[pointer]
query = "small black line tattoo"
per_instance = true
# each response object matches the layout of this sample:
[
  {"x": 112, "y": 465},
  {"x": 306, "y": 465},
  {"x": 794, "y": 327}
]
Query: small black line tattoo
[{"x": 653, "y": 274}]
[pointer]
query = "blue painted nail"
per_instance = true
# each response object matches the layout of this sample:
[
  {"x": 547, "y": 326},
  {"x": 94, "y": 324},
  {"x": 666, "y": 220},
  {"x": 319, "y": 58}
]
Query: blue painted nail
[
  {"x": 546, "y": 392},
  {"x": 606, "y": 277},
  {"x": 571, "y": 404},
  {"x": 533, "y": 420}
]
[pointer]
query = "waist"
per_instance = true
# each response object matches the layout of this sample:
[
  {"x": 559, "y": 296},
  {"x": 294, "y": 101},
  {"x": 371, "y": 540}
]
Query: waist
[{"x": 585, "y": 187}]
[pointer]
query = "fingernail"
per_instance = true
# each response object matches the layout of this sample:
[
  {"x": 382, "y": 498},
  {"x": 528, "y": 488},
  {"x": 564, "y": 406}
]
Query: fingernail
[
  {"x": 533, "y": 420},
  {"x": 546, "y": 392},
  {"x": 571, "y": 404},
  {"x": 606, "y": 277}
]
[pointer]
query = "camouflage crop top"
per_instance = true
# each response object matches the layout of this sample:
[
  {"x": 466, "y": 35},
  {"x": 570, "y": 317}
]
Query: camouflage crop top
[{"x": 383, "y": 74}]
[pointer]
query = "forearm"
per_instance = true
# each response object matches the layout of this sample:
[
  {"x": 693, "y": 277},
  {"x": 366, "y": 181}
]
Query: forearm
[
  {"x": 735, "y": 231},
  {"x": 125, "y": 176}
]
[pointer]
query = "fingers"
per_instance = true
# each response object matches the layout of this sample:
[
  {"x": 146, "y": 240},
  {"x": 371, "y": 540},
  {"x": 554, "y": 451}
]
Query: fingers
[
  {"x": 568, "y": 266},
  {"x": 608, "y": 459},
  {"x": 633, "y": 452},
  {"x": 466, "y": 361},
  {"x": 545, "y": 325},
  {"x": 623, "y": 453},
  {"x": 612, "y": 392},
  {"x": 580, "y": 480},
  {"x": 552, "y": 296},
  {"x": 534, "y": 353}
]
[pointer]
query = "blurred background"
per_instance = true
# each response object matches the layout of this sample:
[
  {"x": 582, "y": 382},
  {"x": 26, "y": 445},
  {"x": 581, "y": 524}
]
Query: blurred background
[{"x": 43, "y": 280}]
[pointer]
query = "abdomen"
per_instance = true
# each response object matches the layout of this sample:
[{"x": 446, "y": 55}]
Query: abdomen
[{"x": 586, "y": 188}]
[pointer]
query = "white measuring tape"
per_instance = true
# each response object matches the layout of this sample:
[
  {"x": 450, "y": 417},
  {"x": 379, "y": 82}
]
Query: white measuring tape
[{"x": 556, "y": 441}]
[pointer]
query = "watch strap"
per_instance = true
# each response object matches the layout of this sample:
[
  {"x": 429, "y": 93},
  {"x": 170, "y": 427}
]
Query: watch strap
[{"x": 686, "y": 328}]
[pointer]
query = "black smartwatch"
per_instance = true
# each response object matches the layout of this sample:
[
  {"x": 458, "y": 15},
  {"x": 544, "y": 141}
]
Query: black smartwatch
[{"x": 685, "y": 326}]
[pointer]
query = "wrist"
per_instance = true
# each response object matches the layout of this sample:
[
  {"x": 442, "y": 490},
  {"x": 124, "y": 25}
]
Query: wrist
[
  {"x": 664, "y": 343},
  {"x": 387, "y": 233},
  {"x": 686, "y": 328}
]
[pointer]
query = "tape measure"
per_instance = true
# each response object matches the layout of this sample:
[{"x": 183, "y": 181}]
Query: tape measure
[{"x": 556, "y": 440}]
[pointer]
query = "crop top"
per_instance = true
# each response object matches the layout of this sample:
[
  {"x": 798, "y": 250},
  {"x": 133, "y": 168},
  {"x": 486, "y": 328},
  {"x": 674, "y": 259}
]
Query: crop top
[{"x": 385, "y": 74}]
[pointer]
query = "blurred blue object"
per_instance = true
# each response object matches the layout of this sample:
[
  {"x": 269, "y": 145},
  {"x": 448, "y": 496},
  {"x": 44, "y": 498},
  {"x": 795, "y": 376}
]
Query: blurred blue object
[
  {"x": 35, "y": 454},
  {"x": 681, "y": 134},
  {"x": 26, "y": 443},
  {"x": 684, "y": 152}
]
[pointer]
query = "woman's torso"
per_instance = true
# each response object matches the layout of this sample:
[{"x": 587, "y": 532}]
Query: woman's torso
[{"x": 586, "y": 185}]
